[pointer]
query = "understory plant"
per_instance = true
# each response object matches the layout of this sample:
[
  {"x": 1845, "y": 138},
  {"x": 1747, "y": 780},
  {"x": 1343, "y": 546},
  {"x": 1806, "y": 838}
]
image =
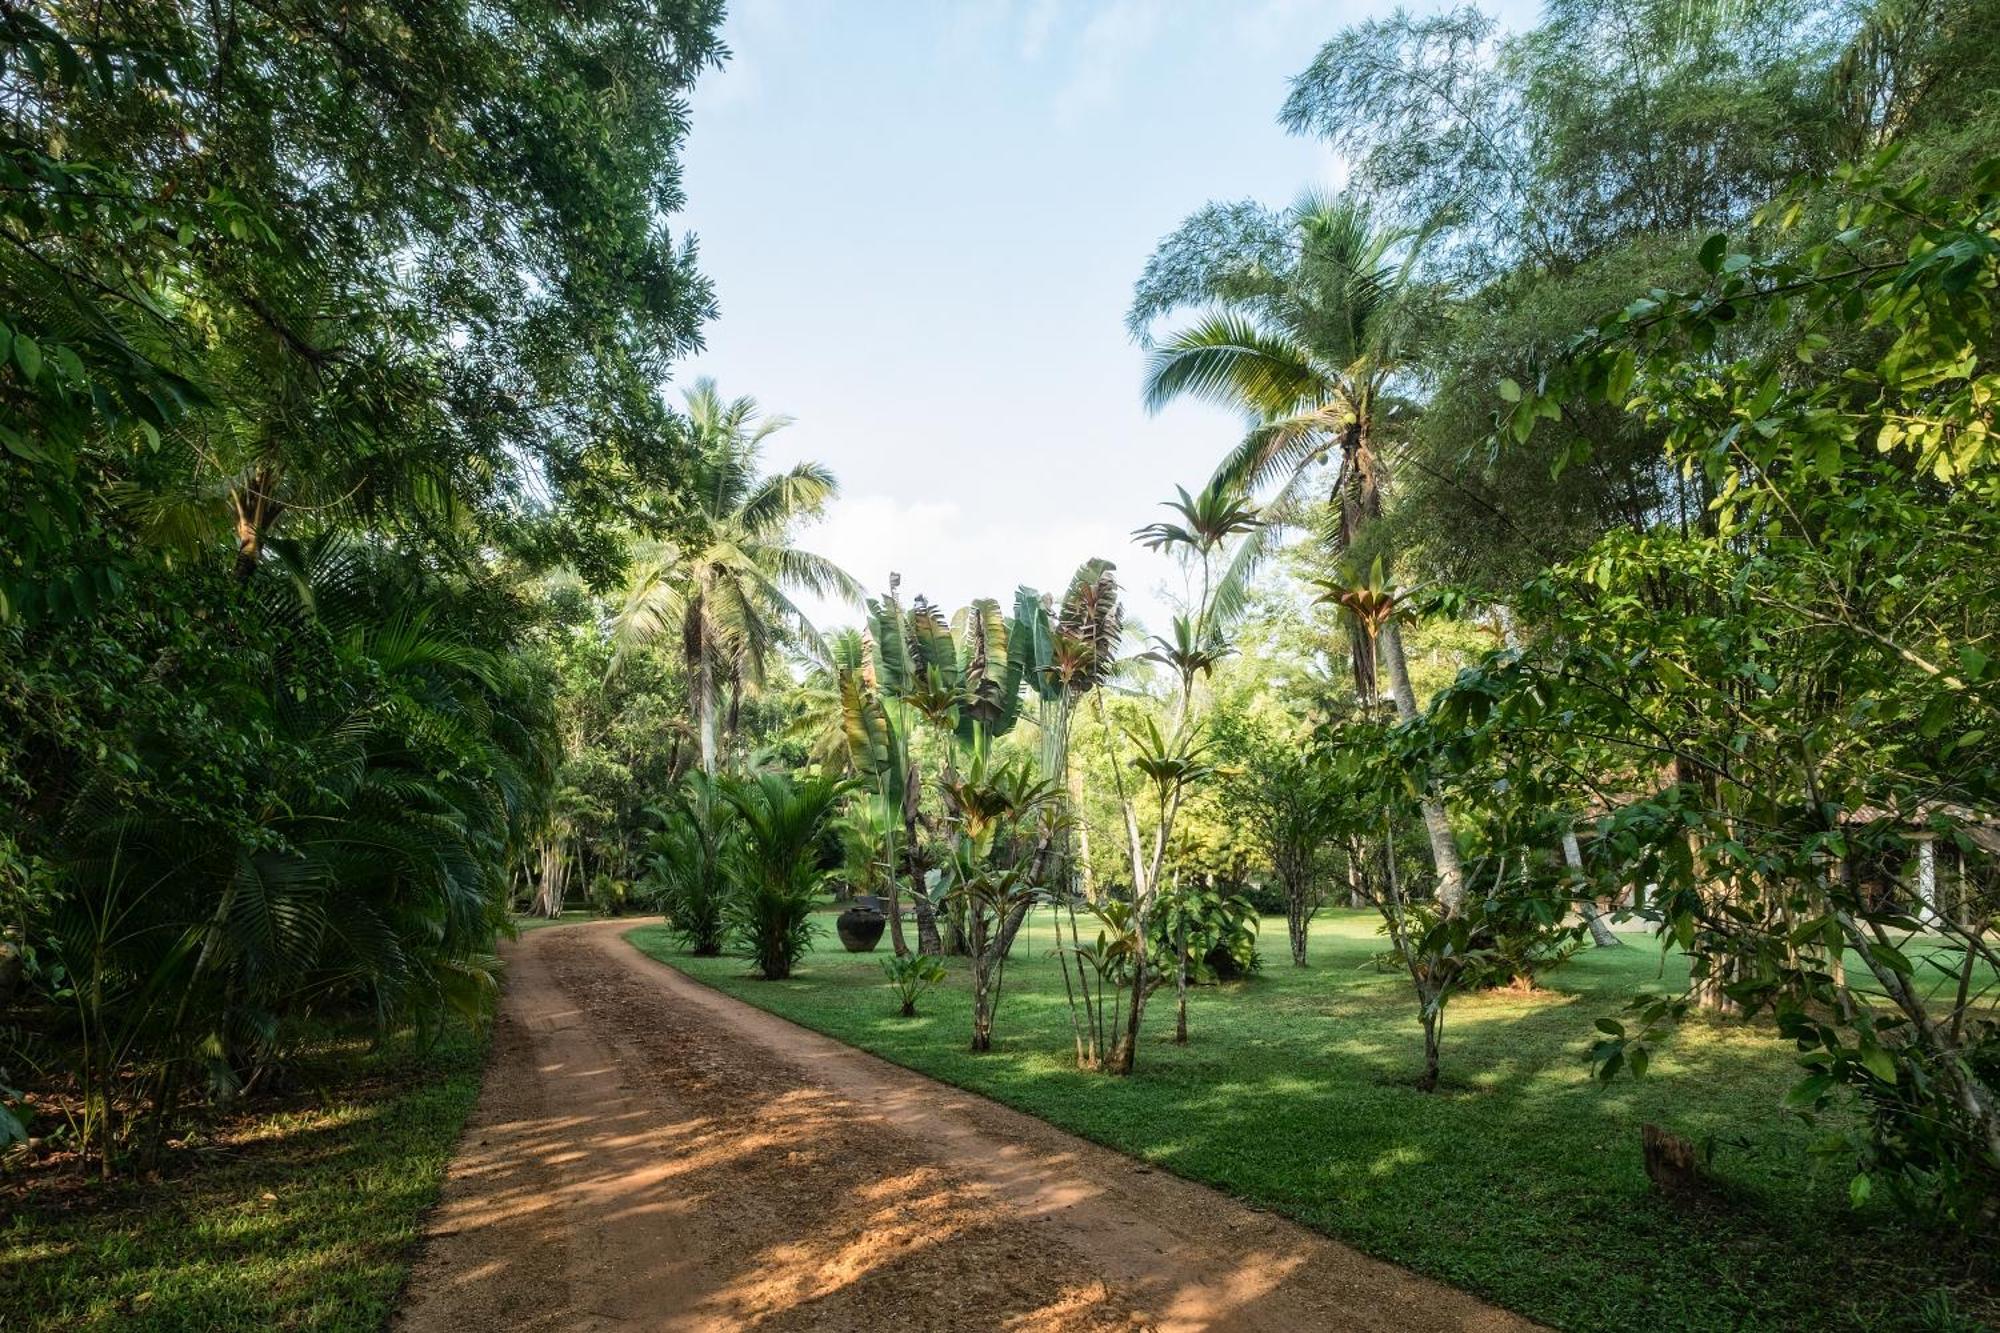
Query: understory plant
[
  {"x": 688, "y": 870},
  {"x": 776, "y": 865},
  {"x": 1206, "y": 934},
  {"x": 910, "y": 977}
]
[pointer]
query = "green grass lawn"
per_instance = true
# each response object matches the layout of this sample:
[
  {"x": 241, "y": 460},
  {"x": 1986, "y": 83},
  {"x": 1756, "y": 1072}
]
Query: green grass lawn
[
  {"x": 306, "y": 1218},
  {"x": 570, "y": 916},
  {"x": 1520, "y": 1179}
]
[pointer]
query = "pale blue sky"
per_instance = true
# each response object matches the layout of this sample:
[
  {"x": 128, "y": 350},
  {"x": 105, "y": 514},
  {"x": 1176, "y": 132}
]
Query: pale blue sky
[{"x": 924, "y": 219}]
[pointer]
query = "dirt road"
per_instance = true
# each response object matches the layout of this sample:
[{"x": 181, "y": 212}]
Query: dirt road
[{"x": 651, "y": 1154}]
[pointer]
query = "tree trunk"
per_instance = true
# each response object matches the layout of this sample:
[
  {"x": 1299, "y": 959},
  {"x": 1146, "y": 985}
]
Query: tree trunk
[
  {"x": 1016, "y": 918},
  {"x": 554, "y": 884},
  {"x": 928, "y": 940},
  {"x": 1437, "y": 825},
  {"x": 982, "y": 1009},
  {"x": 1600, "y": 929},
  {"x": 1298, "y": 917},
  {"x": 901, "y": 945},
  {"x": 1180, "y": 990},
  {"x": 1927, "y": 891},
  {"x": 256, "y": 509},
  {"x": 1125, "y": 1051},
  {"x": 1432, "y": 1052},
  {"x": 704, "y": 710}
]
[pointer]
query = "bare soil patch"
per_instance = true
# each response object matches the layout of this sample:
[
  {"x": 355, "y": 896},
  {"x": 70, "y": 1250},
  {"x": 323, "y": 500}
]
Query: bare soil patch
[{"x": 649, "y": 1153}]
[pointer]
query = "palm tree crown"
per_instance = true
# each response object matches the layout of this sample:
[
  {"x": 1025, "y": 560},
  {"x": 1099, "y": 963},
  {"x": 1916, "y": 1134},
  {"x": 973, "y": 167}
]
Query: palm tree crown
[
  {"x": 1310, "y": 316},
  {"x": 727, "y": 585}
]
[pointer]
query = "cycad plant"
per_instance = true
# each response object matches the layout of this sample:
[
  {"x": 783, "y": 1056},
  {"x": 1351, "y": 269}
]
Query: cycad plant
[
  {"x": 776, "y": 865},
  {"x": 689, "y": 864}
]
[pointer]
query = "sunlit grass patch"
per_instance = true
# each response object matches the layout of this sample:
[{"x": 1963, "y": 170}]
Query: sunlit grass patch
[
  {"x": 1521, "y": 1178},
  {"x": 305, "y": 1217}
]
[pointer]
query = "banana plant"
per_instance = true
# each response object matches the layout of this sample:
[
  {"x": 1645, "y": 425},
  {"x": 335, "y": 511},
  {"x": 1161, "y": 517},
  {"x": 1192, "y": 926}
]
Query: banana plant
[
  {"x": 879, "y": 752},
  {"x": 961, "y": 678},
  {"x": 1065, "y": 656}
]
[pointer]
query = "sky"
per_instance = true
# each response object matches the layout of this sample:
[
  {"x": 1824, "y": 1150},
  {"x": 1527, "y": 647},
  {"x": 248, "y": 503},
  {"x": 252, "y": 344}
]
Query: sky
[{"x": 924, "y": 218}]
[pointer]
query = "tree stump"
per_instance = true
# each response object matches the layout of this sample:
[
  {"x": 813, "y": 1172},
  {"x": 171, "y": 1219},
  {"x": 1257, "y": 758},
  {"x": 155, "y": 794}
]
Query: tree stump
[{"x": 1672, "y": 1163}]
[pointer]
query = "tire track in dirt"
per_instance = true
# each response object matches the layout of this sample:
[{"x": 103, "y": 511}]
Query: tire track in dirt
[{"x": 650, "y": 1153}]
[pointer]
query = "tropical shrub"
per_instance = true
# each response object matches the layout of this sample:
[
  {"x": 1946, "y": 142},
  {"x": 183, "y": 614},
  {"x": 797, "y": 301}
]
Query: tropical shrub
[
  {"x": 1206, "y": 935},
  {"x": 608, "y": 896},
  {"x": 776, "y": 866},
  {"x": 910, "y": 976},
  {"x": 349, "y": 867},
  {"x": 1271, "y": 787},
  {"x": 267, "y": 740},
  {"x": 688, "y": 867}
]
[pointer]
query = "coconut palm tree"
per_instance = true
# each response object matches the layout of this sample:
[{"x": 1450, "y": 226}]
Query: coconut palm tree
[
  {"x": 727, "y": 586},
  {"x": 1312, "y": 316}
]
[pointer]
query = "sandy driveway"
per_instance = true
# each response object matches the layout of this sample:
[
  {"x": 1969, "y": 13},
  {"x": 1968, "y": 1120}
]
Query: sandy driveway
[{"x": 649, "y": 1153}]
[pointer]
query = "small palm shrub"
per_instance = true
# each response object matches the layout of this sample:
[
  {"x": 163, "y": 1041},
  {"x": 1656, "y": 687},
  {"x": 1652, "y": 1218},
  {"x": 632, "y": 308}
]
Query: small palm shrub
[
  {"x": 689, "y": 866},
  {"x": 608, "y": 896},
  {"x": 911, "y": 976},
  {"x": 776, "y": 865}
]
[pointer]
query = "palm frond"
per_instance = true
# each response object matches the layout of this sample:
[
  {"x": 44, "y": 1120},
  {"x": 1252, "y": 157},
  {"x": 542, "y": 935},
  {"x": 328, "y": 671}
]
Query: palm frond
[
  {"x": 1227, "y": 358},
  {"x": 785, "y": 498}
]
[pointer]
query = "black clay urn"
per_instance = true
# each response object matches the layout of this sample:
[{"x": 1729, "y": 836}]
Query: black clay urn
[{"x": 861, "y": 925}]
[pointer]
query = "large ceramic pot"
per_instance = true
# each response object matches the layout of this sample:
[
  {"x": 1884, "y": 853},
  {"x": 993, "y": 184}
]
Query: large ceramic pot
[{"x": 860, "y": 928}]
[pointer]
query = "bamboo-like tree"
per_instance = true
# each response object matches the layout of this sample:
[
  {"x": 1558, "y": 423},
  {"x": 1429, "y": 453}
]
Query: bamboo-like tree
[
  {"x": 727, "y": 586},
  {"x": 1313, "y": 317}
]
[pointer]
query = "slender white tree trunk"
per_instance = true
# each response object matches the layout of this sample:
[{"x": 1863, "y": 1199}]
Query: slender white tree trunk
[
  {"x": 1437, "y": 825},
  {"x": 1600, "y": 929},
  {"x": 704, "y": 711},
  {"x": 555, "y": 879},
  {"x": 1927, "y": 882}
]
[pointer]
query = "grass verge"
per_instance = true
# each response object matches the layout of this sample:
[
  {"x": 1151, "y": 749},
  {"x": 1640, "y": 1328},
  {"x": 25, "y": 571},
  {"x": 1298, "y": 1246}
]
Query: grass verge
[
  {"x": 300, "y": 1218},
  {"x": 1521, "y": 1179},
  {"x": 524, "y": 923}
]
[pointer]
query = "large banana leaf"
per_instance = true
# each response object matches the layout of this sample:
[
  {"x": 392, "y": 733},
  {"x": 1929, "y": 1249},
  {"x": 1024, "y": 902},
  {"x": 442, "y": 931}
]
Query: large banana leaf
[
  {"x": 1031, "y": 644},
  {"x": 874, "y": 741},
  {"x": 895, "y": 669},
  {"x": 933, "y": 651},
  {"x": 1088, "y": 629},
  {"x": 991, "y": 686}
]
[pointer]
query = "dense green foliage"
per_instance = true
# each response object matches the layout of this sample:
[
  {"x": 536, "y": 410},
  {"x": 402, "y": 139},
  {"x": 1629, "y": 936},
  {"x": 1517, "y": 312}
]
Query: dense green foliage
[
  {"x": 687, "y": 875},
  {"x": 775, "y": 865},
  {"x": 1613, "y": 536},
  {"x": 306, "y": 1217},
  {"x": 322, "y": 333}
]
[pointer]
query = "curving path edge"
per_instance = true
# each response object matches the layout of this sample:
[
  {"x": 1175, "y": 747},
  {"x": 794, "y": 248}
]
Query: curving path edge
[{"x": 649, "y": 1153}]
